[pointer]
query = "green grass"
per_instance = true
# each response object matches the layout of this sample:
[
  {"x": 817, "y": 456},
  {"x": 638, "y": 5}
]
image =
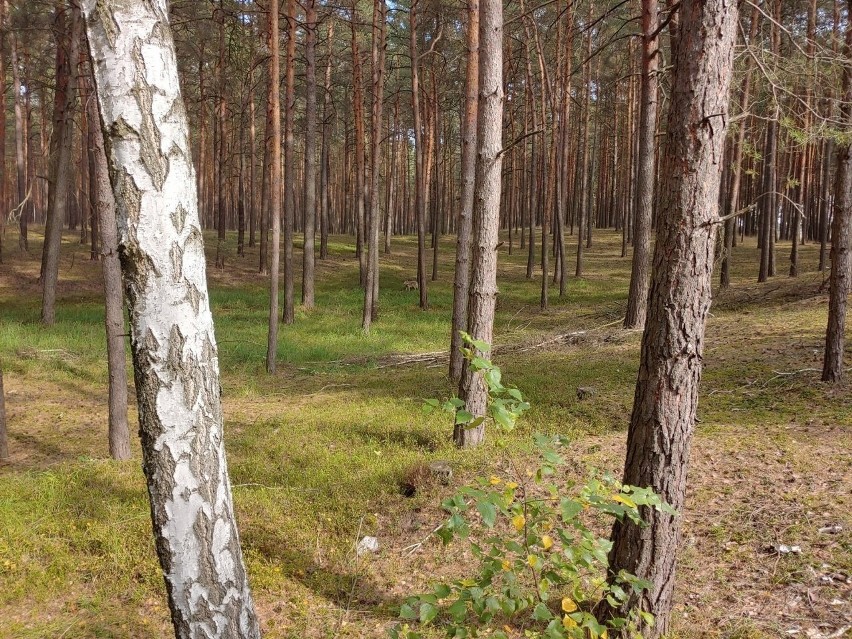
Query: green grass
[{"x": 316, "y": 452}]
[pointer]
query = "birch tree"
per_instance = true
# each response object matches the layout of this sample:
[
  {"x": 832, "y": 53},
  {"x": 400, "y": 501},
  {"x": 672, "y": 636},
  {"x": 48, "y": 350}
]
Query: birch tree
[{"x": 174, "y": 349}]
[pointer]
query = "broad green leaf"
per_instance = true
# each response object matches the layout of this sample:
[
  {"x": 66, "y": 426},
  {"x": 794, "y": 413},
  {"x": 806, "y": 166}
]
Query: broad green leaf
[
  {"x": 488, "y": 511},
  {"x": 428, "y": 612},
  {"x": 542, "y": 613}
]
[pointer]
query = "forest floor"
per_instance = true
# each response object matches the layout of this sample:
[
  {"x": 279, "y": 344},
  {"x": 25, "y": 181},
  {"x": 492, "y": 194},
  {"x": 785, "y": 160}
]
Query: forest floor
[{"x": 317, "y": 452}]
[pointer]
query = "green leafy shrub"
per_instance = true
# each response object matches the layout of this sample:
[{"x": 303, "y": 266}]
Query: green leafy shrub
[{"x": 542, "y": 567}]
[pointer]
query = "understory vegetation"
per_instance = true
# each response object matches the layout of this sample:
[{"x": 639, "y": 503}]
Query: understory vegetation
[{"x": 317, "y": 452}]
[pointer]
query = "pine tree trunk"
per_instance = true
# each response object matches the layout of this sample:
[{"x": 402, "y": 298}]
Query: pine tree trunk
[
  {"x": 371, "y": 289},
  {"x": 309, "y": 209},
  {"x": 637, "y": 298},
  {"x": 736, "y": 163},
  {"x": 3, "y": 202},
  {"x": 104, "y": 224},
  {"x": 273, "y": 181},
  {"x": 4, "y": 437},
  {"x": 221, "y": 154},
  {"x": 289, "y": 164},
  {"x": 840, "y": 283},
  {"x": 325, "y": 168},
  {"x": 461, "y": 284},
  {"x": 20, "y": 153},
  {"x": 174, "y": 348},
  {"x": 62, "y": 179},
  {"x": 663, "y": 419},
  {"x": 828, "y": 152},
  {"x": 489, "y": 145},
  {"x": 419, "y": 179},
  {"x": 360, "y": 153}
]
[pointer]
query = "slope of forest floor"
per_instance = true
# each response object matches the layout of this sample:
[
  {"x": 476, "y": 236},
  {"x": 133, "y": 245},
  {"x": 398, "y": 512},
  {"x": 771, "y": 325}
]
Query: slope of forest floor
[{"x": 317, "y": 452}]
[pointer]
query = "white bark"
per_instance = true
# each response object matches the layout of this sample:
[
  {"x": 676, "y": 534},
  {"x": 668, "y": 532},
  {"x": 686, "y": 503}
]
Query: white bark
[{"x": 174, "y": 349}]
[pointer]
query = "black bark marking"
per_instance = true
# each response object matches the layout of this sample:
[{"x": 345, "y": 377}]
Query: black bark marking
[
  {"x": 176, "y": 257},
  {"x": 194, "y": 297},
  {"x": 103, "y": 15},
  {"x": 149, "y": 135},
  {"x": 179, "y": 218}
]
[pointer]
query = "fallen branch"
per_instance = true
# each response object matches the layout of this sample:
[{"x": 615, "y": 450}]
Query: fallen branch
[{"x": 413, "y": 548}]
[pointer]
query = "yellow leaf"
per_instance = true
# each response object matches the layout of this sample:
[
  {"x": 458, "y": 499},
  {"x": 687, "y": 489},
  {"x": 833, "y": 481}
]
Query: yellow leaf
[
  {"x": 547, "y": 542},
  {"x": 624, "y": 500},
  {"x": 494, "y": 480},
  {"x": 532, "y": 561},
  {"x": 604, "y": 635},
  {"x": 518, "y": 521},
  {"x": 568, "y": 622},
  {"x": 568, "y": 604}
]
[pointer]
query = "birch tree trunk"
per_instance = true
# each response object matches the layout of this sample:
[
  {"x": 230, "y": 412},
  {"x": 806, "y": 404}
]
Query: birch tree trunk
[
  {"x": 663, "y": 419},
  {"x": 174, "y": 349},
  {"x": 486, "y": 214}
]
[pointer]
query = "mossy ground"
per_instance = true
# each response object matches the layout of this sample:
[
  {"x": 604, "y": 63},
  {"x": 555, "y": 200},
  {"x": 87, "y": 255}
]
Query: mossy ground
[{"x": 317, "y": 451}]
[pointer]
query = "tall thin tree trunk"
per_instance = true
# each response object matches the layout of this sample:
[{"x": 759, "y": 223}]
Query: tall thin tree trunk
[
  {"x": 464, "y": 224},
  {"x": 20, "y": 154},
  {"x": 103, "y": 204},
  {"x": 252, "y": 209},
  {"x": 489, "y": 144},
  {"x": 274, "y": 179},
  {"x": 737, "y": 160},
  {"x": 309, "y": 210},
  {"x": 663, "y": 419},
  {"x": 371, "y": 290},
  {"x": 824, "y": 206},
  {"x": 174, "y": 347},
  {"x": 419, "y": 179},
  {"x": 289, "y": 163},
  {"x": 840, "y": 283},
  {"x": 221, "y": 152},
  {"x": 4, "y": 437},
  {"x": 64, "y": 165},
  {"x": 637, "y": 298},
  {"x": 3, "y": 200},
  {"x": 360, "y": 153},
  {"x": 325, "y": 168},
  {"x": 585, "y": 198}
]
